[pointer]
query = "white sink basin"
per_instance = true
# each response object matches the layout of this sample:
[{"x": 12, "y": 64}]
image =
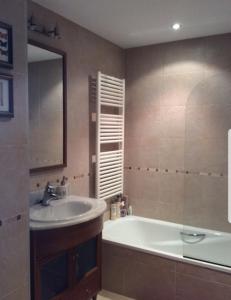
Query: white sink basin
[
  {"x": 60, "y": 211},
  {"x": 65, "y": 212}
]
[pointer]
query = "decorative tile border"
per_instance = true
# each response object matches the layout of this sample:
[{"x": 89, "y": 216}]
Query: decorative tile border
[
  {"x": 41, "y": 182},
  {"x": 171, "y": 171}
]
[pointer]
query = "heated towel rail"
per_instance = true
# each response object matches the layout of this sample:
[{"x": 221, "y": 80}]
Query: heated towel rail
[{"x": 110, "y": 136}]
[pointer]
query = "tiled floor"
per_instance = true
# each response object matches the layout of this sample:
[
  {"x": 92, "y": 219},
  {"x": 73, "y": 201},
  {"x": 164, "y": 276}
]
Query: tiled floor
[{"x": 105, "y": 295}]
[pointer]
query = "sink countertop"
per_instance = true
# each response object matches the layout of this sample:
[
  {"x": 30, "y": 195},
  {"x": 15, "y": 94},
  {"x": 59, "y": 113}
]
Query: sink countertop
[{"x": 65, "y": 212}]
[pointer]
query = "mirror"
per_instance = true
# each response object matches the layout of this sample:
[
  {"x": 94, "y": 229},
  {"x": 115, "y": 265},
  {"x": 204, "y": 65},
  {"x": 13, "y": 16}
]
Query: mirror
[{"x": 47, "y": 107}]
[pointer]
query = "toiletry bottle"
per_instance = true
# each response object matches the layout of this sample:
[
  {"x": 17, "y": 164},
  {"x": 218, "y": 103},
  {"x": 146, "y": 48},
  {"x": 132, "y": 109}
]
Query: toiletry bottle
[
  {"x": 118, "y": 206},
  {"x": 125, "y": 198},
  {"x": 122, "y": 207},
  {"x": 123, "y": 212},
  {"x": 130, "y": 210},
  {"x": 113, "y": 211},
  {"x": 62, "y": 188}
]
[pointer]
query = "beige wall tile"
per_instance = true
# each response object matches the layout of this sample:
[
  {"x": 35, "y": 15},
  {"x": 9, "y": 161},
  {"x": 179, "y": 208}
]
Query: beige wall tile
[
  {"x": 203, "y": 273},
  {"x": 13, "y": 181},
  {"x": 146, "y": 90},
  {"x": 218, "y": 53},
  {"x": 179, "y": 88},
  {"x": 172, "y": 121},
  {"x": 192, "y": 288},
  {"x": 21, "y": 293},
  {"x": 143, "y": 61},
  {"x": 147, "y": 283},
  {"x": 206, "y": 202},
  {"x": 171, "y": 153},
  {"x": 208, "y": 121},
  {"x": 142, "y": 151},
  {"x": 143, "y": 186},
  {"x": 112, "y": 273},
  {"x": 192, "y": 206},
  {"x": 206, "y": 155},
  {"x": 156, "y": 195},
  {"x": 14, "y": 249},
  {"x": 184, "y": 57},
  {"x": 143, "y": 121},
  {"x": 172, "y": 188},
  {"x": 212, "y": 89},
  {"x": 172, "y": 212}
]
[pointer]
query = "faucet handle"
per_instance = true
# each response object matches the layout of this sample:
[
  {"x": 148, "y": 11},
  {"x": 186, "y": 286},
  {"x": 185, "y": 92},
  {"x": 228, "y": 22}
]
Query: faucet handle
[{"x": 50, "y": 188}]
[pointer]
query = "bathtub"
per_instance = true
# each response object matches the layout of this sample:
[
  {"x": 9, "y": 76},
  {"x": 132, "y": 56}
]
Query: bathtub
[{"x": 211, "y": 249}]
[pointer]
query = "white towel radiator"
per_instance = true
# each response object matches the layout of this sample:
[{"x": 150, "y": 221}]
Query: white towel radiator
[{"x": 110, "y": 136}]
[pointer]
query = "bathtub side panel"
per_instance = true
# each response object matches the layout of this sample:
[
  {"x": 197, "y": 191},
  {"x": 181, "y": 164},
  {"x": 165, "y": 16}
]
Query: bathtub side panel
[
  {"x": 136, "y": 274},
  {"x": 144, "y": 276}
]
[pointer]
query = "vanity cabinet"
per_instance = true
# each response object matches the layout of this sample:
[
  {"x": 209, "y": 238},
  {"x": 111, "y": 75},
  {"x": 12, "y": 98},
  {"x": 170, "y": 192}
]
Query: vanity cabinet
[{"x": 66, "y": 262}]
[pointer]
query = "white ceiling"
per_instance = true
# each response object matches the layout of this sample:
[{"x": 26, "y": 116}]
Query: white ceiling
[{"x": 132, "y": 23}]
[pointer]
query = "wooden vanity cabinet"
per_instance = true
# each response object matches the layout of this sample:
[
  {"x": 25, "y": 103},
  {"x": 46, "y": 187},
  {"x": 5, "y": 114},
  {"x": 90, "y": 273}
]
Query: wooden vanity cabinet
[{"x": 66, "y": 262}]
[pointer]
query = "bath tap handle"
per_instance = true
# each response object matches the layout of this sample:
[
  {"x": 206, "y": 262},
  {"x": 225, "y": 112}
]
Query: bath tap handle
[{"x": 193, "y": 234}]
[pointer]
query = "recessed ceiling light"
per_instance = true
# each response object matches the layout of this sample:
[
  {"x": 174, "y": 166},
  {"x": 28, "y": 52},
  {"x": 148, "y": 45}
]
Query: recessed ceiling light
[{"x": 176, "y": 26}]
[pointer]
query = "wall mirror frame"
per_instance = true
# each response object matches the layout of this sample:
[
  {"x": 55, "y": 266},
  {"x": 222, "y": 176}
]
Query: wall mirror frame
[{"x": 63, "y": 161}]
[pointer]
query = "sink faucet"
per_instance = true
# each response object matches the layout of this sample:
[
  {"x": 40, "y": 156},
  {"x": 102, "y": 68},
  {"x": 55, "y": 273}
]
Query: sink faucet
[{"x": 49, "y": 194}]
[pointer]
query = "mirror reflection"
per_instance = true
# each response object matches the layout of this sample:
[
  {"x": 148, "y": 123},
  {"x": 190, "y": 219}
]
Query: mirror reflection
[{"x": 46, "y": 108}]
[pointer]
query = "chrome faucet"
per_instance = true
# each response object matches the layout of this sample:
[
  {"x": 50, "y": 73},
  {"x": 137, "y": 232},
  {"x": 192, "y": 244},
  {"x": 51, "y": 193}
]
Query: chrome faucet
[{"x": 49, "y": 194}]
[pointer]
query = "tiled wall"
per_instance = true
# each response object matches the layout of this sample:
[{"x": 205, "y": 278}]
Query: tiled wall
[
  {"x": 86, "y": 54},
  {"x": 143, "y": 276},
  {"x": 14, "y": 177},
  {"x": 177, "y": 117}
]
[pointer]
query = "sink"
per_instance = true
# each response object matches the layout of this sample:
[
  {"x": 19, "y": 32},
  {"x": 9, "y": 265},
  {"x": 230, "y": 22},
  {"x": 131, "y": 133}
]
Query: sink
[
  {"x": 60, "y": 212},
  {"x": 65, "y": 212}
]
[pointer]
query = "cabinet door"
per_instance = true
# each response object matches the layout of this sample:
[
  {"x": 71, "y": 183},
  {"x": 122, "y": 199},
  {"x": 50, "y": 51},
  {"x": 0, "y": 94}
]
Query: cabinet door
[
  {"x": 54, "y": 277},
  {"x": 86, "y": 258}
]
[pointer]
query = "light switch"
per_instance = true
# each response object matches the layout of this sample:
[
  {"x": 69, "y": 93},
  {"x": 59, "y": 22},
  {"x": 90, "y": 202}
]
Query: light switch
[{"x": 93, "y": 117}]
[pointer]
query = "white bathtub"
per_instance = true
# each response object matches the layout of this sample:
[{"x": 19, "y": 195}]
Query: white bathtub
[{"x": 165, "y": 239}]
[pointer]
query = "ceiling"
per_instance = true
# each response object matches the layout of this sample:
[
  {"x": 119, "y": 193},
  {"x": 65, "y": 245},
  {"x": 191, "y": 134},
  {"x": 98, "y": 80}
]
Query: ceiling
[{"x": 132, "y": 23}]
